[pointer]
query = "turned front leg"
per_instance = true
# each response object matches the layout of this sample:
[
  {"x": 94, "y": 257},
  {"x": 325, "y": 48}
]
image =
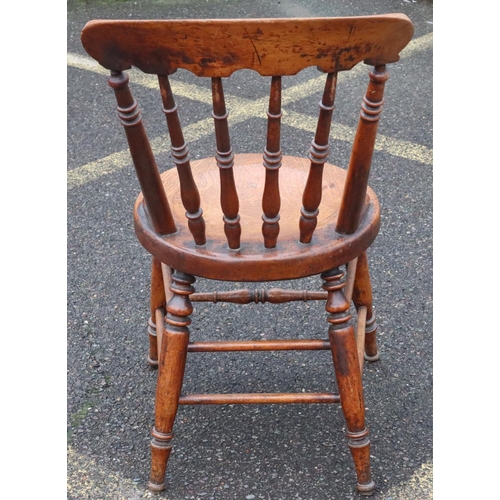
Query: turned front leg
[
  {"x": 171, "y": 373},
  {"x": 348, "y": 375}
]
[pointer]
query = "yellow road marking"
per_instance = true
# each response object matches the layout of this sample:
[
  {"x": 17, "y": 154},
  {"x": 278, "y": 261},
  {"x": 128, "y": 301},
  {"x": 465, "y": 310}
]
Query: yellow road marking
[
  {"x": 396, "y": 147},
  {"x": 84, "y": 470},
  {"x": 419, "y": 486},
  {"x": 241, "y": 109},
  {"x": 87, "y": 479},
  {"x": 315, "y": 85}
]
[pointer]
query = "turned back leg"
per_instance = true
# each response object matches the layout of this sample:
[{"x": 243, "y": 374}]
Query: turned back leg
[
  {"x": 362, "y": 297},
  {"x": 157, "y": 301}
]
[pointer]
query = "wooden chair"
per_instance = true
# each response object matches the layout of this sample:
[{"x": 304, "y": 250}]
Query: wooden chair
[{"x": 298, "y": 217}]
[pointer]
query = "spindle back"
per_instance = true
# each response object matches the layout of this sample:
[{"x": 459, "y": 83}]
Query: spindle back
[{"x": 273, "y": 48}]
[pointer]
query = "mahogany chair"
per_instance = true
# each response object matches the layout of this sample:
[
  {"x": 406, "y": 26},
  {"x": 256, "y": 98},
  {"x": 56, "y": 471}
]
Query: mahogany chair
[{"x": 298, "y": 217}]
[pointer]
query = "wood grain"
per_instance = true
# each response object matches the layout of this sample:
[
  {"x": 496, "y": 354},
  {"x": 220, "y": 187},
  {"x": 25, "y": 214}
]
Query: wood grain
[
  {"x": 252, "y": 261},
  {"x": 272, "y": 47},
  {"x": 260, "y": 398},
  {"x": 257, "y": 225}
]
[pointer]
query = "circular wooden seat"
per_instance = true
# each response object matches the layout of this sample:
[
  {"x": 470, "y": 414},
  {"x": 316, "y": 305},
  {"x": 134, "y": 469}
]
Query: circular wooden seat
[{"x": 252, "y": 261}]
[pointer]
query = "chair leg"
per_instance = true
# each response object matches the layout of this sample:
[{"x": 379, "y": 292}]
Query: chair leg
[
  {"x": 351, "y": 275},
  {"x": 348, "y": 375},
  {"x": 157, "y": 301},
  {"x": 170, "y": 376},
  {"x": 167, "y": 280},
  {"x": 362, "y": 297}
]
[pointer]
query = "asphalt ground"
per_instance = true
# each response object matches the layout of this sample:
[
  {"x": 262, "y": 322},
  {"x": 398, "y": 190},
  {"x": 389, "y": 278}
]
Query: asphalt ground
[{"x": 244, "y": 451}]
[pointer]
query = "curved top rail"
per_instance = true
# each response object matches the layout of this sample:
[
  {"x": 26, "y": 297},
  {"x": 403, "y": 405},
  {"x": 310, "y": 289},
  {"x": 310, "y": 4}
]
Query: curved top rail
[{"x": 272, "y": 47}]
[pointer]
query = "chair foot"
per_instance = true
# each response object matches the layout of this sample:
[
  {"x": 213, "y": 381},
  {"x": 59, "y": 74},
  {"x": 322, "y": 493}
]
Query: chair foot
[
  {"x": 372, "y": 359},
  {"x": 153, "y": 363},
  {"x": 161, "y": 446},
  {"x": 366, "y": 490},
  {"x": 156, "y": 488},
  {"x": 359, "y": 443}
]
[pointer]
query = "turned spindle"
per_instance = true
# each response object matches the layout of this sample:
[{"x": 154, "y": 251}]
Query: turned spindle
[
  {"x": 272, "y": 295},
  {"x": 224, "y": 157},
  {"x": 180, "y": 153},
  {"x": 272, "y": 162},
  {"x": 318, "y": 154}
]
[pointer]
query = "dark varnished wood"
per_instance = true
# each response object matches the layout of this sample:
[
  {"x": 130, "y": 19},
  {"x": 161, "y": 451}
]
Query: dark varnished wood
[
  {"x": 371, "y": 349},
  {"x": 360, "y": 336},
  {"x": 245, "y": 296},
  {"x": 272, "y": 162},
  {"x": 260, "y": 345},
  {"x": 290, "y": 259},
  {"x": 225, "y": 160},
  {"x": 145, "y": 164},
  {"x": 171, "y": 373},
  {"x": 348, "y": 375},
  {"x": 362, "y": 152},
  {"x": 318, "y": 154},
  {"x": 160, "y": 314},
  {"x": 272, "y": 47},
  {"x": 362, "y": 297},
  {"x": 260, "y": 398},
  {"x": 157, "y": 301},
  {"x": 350, "y": 277},
  {"x": 189, "y": 192},
  {"x": 263, "y": 219}
]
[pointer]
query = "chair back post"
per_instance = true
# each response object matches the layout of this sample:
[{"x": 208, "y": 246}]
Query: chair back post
[
  {"x": 142, "y": 155},
  {"x": 353, "y": 198}
]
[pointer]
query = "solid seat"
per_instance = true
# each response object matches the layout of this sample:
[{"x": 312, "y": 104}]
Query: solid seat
[
  {"x": 290, "y": 258},
  {"x": 260, "y": 217}
]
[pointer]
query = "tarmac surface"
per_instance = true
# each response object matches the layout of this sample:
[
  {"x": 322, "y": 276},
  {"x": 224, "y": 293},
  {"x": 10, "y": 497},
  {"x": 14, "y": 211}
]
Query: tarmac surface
[{"x": 274, "y": 452}]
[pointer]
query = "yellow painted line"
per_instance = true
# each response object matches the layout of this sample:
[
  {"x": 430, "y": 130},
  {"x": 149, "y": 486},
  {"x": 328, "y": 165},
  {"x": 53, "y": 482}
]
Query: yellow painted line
[
  {"x": 396, "y": 147},
  {"x": 137, "y": 77},
  {"x": 420, "y": 486},
  {"x": 315, "y": 85},
  {"x": 87, "y": 479},
  {"x": 240, "y": 109},
  {"x": 418, "y": 45},
  {"x": 116, "y": 161},
  {"x": 83, "y": 62},
  {"x": 98, "y": 168}
]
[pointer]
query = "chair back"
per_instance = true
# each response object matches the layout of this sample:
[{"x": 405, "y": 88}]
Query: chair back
[{"x": 273, "y": 48}]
